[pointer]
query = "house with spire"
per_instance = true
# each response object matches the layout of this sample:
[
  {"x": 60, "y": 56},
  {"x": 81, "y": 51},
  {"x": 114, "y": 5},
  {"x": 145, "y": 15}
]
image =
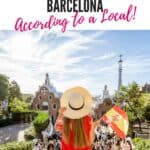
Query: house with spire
[{"x": 47, "y": 99}]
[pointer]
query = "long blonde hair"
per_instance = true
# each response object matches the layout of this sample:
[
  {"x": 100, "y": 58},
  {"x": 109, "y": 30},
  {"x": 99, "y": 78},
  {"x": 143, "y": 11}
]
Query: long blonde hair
[{"x": 79, "y": 136}]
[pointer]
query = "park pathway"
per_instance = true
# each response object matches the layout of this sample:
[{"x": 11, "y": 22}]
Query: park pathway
[{"x": 13, "y": 132}]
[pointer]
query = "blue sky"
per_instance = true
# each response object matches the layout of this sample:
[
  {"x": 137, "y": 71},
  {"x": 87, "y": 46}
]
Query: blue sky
[{"x": 85, "y": 58}]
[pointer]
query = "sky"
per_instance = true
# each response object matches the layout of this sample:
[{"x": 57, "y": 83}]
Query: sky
[{"x": 75, "y": 58}]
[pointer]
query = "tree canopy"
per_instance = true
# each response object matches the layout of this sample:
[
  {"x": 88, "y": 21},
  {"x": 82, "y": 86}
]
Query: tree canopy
[
  {"x": 18, "y": 106},
  {"x": 14, "y": 91},
  {"x": 9, "y": 90},
  {"x": 135, "y": 103},
  {"x": 4, "y": 87}
]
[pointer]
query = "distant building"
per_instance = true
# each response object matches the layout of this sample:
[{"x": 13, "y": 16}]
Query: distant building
[
  {"x": 99, "y": 99},
  {"x": 102, "y": 105},
  {"x": 4, "y": 104},
  {"x": 146, "y": 88},
  {"x": 96, "y": 101},
  {"x": 47, "y": 99},
  {"x": 105, "y": 92}
]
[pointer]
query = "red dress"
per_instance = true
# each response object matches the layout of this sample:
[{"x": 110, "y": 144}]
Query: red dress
[{"x": 87, "y": 123}]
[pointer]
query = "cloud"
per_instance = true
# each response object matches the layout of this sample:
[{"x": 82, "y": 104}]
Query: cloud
[
  {"x": 70, "y": 58},
  {"x": 26, "y": 57},
  {"x": 106, "y": 56}
]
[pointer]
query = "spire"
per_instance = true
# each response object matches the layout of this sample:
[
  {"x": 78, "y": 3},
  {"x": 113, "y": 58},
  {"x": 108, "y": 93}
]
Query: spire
[
  {"x": 120, "y": 72},
  {"x": 50, "y": 86},
  {"x": 47, "y": 81}
]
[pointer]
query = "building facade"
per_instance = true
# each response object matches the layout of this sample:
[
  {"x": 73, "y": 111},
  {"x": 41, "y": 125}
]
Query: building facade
[
  {"x": 102, "y": 105},
  {"x": 146, "y": 88},
  {"x": 105, "y": 92},
  {"x": 47, "y": 99}
]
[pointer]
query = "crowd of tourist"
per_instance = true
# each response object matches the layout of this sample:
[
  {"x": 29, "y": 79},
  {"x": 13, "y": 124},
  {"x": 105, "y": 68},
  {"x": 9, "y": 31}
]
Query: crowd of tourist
[
  {"x": 53, "y": 144},
  {"x": 105, "y": 139}
]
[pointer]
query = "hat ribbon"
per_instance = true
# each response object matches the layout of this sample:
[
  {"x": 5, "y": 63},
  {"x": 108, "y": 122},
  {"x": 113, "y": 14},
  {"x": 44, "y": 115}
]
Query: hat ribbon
[{"x": 76, "y": 108}]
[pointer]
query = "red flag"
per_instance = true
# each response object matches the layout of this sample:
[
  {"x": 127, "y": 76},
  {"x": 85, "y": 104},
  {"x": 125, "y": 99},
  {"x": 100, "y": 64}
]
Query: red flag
[{"x": 117, "y": 119}]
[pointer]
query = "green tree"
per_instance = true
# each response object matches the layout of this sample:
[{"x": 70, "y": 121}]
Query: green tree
[
  {"x": 146, "y": 102},
  {"x": 28, "y": 97},
  {"x": 147, "y": 112},
  {"x": 135, "y": 103},
  {"x": 14, "y": 91},
  {"x": 4, "y": 85},
  {"x": 41, "y": 122},
  {"x": 17, "y": 105}
]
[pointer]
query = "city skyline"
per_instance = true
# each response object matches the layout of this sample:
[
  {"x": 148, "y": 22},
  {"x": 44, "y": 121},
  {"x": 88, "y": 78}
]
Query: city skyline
[{"x": 85, "y": 58}]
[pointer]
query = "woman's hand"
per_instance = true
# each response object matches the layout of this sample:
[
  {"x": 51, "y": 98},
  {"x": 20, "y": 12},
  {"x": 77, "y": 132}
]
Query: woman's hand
[
  {"x": 59, "y": 121},
  {"x": 96, "y": 123},
  {"x": 62, "y": 110}
]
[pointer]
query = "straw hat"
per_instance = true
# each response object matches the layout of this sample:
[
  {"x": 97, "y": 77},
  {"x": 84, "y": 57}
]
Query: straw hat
[{"x": 78, "y": 102}]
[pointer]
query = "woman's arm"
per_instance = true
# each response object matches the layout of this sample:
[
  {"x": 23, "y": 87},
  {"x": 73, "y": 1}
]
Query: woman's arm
[
  {"x": 59, "y": 121},
  {"x": 94, "y": 125}
]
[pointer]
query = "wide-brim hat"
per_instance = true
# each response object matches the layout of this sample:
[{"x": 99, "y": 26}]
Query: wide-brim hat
[{"x": 78, "y": 102}]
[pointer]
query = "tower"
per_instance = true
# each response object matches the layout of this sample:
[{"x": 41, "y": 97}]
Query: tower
[
  {"x": 47, "y": 82},
  {"x": 105, "y": 92},
  {"x": 120, "y": 72}
]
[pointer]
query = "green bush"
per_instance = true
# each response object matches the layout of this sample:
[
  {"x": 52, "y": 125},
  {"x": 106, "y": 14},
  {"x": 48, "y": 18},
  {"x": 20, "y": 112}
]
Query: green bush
[
  {"x": 41, "y": 122},
  {"x": 6, "y": 122},
  {"x": 147, "y": 112},
  {"x": 30, "y": 133},
  {"x": 16, "y": 146},
  {"x": 24, "y": 116},
  {"x": 1, "y": 116},
  {"x": 17, "y": 105},
  {"x": 141, "y": 144}
]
